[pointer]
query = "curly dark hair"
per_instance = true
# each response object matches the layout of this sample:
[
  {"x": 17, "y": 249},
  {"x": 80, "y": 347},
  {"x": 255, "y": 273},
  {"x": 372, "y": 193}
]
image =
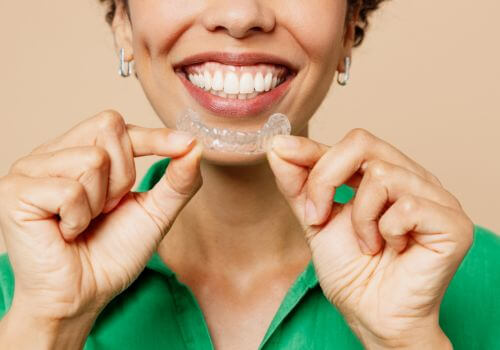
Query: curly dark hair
[{"x": 366, "y": 8}]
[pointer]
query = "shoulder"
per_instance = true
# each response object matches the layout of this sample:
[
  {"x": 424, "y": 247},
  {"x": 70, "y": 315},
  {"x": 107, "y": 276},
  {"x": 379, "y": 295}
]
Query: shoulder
[
  {"x": 6, "y": 284},
  {"x": 470, "y": 313}
]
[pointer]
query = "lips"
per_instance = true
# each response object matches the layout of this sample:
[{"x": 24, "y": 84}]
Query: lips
[
  {"x": 230, "y": 107},
  {"x": 236, "y": 59}
]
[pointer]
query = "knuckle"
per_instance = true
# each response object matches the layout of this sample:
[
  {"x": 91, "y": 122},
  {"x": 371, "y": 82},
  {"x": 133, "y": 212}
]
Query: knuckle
[
  {"x": 111, "y": 121},
  {"x": 96, "y": 158},
  {"x": 360, "y": 136},
  {"x": 451, "y": 200},
  {"x": 434, "y": 178},
  {"x": 377, "y": 168},
  {"x": 17, "y": 166},
  {"x": 41, "y": 148},
  {"x": 454, "y": 200},
  {"x": 408, "y": 204}
]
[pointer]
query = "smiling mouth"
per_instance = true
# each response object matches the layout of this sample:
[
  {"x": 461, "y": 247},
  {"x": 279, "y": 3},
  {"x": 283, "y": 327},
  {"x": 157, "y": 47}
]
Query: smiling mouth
[{"x": 235, "y": 82}]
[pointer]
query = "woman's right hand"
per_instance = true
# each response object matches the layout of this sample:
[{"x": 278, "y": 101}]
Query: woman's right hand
[{"x": 71, "y": 245}]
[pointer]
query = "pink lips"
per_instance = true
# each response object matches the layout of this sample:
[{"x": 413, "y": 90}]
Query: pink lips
[{"x": 228, "y": 107}]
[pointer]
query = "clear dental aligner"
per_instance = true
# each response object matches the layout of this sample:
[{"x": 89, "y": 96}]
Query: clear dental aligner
[{"x": 237, "y": 141}]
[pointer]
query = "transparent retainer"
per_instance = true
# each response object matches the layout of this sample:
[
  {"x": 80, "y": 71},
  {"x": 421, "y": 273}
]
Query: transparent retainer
[{"x": 226, "y": 140}]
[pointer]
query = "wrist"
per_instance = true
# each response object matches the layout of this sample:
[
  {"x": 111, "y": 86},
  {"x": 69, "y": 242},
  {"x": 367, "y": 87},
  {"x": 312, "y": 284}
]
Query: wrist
[{"x": 21, "y": 330}]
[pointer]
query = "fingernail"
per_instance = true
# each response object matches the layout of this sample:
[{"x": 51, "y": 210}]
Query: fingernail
[
  {"x": 181, "y": 138},
  {"x": 285, "y": 142},
  {"x": 311, "y": 213}
]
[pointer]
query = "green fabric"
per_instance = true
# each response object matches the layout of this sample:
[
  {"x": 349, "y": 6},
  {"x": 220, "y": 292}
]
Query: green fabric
[{"x": 159, "y": 312}]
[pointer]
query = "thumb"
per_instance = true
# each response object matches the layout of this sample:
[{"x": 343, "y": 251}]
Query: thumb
[
  {"x": 291, "y": 159},
  {"x": 178, "y": 185}
]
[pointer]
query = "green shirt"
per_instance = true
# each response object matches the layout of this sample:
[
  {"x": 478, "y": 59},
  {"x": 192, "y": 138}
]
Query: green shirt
[{"x": 159, "y": 312}]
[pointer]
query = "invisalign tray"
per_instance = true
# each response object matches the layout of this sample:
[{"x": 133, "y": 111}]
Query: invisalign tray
[{"x": 246, "y": 142}]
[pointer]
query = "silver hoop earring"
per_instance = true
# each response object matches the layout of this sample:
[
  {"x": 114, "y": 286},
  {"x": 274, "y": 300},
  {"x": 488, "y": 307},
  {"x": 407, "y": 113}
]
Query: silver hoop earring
[
  {"x": 343, "y": 77},
  {"x": 122, "y": 71}
]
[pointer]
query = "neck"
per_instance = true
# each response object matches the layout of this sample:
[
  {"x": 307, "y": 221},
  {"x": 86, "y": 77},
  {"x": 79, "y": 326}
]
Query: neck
[{"x": 237, "y": 220}]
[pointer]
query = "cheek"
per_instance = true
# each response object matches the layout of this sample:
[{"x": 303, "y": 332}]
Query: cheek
[
  {"x": 156, "y": 31},
  {"x": 318, "y": 25}
]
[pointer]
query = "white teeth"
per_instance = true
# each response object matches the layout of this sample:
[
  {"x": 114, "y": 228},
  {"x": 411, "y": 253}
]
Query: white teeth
[
  {"x": 259, "y": 82},
  {"x": 274, "y": 82},
  {"x": 208, "y": 80},
  {"x": 268, "y": 81},
  {"x": 218, "y": 81},
  {"x": 201, "y": 81},
  {"x": 246, "y": 83},
  {"x": 231, "y": 83}
]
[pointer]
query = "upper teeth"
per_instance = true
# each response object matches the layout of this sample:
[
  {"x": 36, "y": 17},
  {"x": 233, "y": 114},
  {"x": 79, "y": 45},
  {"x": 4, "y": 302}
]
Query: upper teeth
[{"x": 235, "y": 81}]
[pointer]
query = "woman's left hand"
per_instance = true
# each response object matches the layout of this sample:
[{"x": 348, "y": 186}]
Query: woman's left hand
[{"x": 385, "y": 258}]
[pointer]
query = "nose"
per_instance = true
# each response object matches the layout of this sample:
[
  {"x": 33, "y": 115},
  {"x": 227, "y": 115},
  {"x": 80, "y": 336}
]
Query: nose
[{"x": 239, "y": 18}]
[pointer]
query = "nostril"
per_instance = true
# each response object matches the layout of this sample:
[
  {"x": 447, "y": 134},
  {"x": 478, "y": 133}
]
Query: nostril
[
  {"x": 219, "y": 28},
  {"x": 255, "y": 29},
  {"x": 238, "y": 32}
]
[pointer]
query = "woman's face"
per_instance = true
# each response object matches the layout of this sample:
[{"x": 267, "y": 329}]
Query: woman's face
[{"x": 305, "y": 43}]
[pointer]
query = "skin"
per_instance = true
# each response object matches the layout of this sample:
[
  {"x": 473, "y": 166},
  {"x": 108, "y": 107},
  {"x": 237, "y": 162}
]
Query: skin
[{"x": 402, "y": 223}]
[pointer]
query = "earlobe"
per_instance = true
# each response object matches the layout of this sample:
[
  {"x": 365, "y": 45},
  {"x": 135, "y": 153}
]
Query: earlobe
[
  {"x": 122, "y": 31},
  {"x": 348, "y": 39}
]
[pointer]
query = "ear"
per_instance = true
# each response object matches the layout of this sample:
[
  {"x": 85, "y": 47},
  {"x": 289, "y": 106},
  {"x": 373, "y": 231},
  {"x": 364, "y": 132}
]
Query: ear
[
  {"x": 349, "y": 35},
  {"x": 122, "y": 30}
]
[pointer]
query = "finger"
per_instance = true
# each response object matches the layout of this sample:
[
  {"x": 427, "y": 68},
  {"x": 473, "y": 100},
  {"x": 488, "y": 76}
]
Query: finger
[
  {"x": 109, "y": 131},
  {"x": 145, "y": 141},
  {"x": 138, "y": 142},
  {"x": 89, "y": 165},
  {"x": 291, "y": 158},
  {"x": 44, "y": 198},
  {"x": 433, "y": 226},
  {"x": 345, "y": 160},
  {"x": 383, "y": 183},
  {"x": 298, "y": 150},
  {"x": 180, "y": 182},
  {"x": 290, "y": 180},
  {"x": 161, "y": 141}
]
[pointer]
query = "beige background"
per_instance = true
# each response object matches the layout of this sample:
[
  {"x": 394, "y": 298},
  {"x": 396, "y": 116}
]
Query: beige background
[{"x": 426, "y": 80}]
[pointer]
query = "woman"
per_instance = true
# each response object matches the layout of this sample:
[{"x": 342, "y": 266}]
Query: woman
[{"x": 95, "y": 267}]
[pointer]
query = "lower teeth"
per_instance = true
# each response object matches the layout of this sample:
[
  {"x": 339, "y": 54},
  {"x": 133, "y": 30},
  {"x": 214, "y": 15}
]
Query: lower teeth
[
  {"x": 235, "y": 96},
  {"x": 227, "y": 140}
]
